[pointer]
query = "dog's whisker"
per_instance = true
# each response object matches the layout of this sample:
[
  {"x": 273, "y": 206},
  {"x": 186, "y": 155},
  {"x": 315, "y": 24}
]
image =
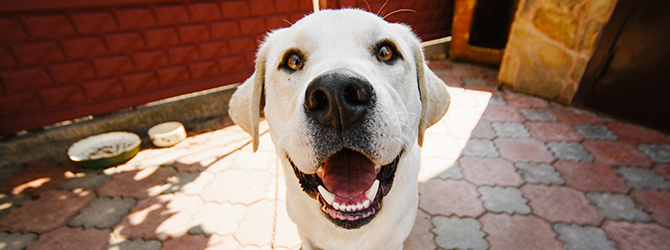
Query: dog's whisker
[
  {"x": 397, "y": 11},
  {"x": 368, "y": 4},
  {"x": 382, "y": 8},
  {"x": 289, "y": 22}
]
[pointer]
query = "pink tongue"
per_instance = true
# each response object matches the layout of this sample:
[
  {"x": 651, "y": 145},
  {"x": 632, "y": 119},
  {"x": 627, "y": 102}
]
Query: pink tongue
[{"x": 348, "y": 173}]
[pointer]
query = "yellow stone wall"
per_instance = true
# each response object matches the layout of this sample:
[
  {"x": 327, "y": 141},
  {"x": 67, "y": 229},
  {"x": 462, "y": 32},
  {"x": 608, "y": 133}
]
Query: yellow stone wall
[{"x": 550, "y": 44}]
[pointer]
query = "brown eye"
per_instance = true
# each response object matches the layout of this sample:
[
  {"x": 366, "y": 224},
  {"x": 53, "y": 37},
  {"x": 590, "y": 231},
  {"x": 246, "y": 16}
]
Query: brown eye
[
  {"x": 293, "y": 62},
  {"x": 385, "y": 53}
]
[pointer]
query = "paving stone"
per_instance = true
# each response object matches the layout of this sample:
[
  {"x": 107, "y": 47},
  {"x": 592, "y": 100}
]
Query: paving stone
[
  {"x": 575, "y": 237},
  {"x": 561, "y": 204},
  {"x": 454, "y": 172},
  {"x": 233, "y": 186},
  {"x": 186, "y": 242},
  {"x": 523, "y": 150},
  {"x": 453, "y": 232},
  {"x": 589, "y": 176},
  {"x": 256, "y": 228},
  {"x": 524, "y": 101},
  {"x": 481, "y": 148},
  {"x": 618, "y": 207},
  {"x": 553, "y": 131},
  {"x": 539, "y": 173},
  {"x": 103, "y": 212},
  {"x": 8, "y": 202},
  {"x": 420, "y": 236},
  {"x": 570, "y": 151},
  {"x": 147, "y": 182},
  {"x": 638, "y": 236},
  {"x": 657, "y": 153},
  {"x": 52, "y": 209},
  {"x": 433, "y": 167},
  {"x": 497, "y": 101},
  {"x": 641, "y": 178},
  {"x": 502, "y": 114},
  {"x": 617, "y": 153},
  {"x": 518, "y": 232},
  {"x": 504, "y": 199},
  {"x": 188, "y": 183},
  {"x": 213, "y": 218},
  {"x": 10, "y": 170},
  {"x": 475, "y": 81},
  {"x": 490, "y": 171},
  {"x": 71, "y": 238},
  {"x": 483, "y": 130},
  {"x": 16, "y": 241},
  {"x": 572, "y": 115},
  {"x": 138, "y": 244},
  {"x": 637, "y": 134},
  {"x": 450, "y": 197},
  {"x": 538, "y": 115},
  {"x": 85, "y": 180},
  {"x": 595, "y": 132},
  {"x": 36, "y": 178},
  {"x": 657, "y": 203},
  {"x": 663, "y": 170},
  {"x": 510, "y": 129}
]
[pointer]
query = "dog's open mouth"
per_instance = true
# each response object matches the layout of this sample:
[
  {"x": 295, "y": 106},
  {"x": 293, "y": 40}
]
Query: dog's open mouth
[{"x": 349, "y": 187}]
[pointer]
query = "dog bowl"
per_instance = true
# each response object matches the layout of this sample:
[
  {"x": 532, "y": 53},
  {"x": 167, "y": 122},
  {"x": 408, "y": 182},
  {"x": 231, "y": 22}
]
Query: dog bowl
[
  {"x": 104, "y": 149},
  {"x": 167, "y": 134}
]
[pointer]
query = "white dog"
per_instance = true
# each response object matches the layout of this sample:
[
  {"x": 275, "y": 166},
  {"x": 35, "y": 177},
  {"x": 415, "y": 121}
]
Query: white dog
[{"x": 347, "y": 97}]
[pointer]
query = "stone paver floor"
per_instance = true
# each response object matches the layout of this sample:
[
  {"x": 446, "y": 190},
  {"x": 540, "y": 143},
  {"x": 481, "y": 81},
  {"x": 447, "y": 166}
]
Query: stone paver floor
[{"x": 501, "y": 170}]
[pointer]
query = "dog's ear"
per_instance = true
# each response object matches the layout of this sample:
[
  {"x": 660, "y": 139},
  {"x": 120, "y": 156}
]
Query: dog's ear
[
  {"x": 247, "y": 102},
  {"x": 434, "y": 96}
]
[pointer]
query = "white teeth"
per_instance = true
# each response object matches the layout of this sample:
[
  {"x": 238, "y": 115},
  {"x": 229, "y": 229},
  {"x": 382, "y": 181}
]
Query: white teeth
[
  {"x": 378, "y": 167},
  {"x": 328, "y": 196},
  {"x": 366, "y": 204},
  {"x": 372, "y": 192}
]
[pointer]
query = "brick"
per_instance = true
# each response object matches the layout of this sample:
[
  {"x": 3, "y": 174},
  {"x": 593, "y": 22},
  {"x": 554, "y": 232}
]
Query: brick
[
  {"x": 570, "y": 151},
  {"x": 235, "y": 9},
  {"x": 261, "y": 7},
  {"x": 205, "y": 69},
  {"x": 561, "y": 204},
  {"x": 587, "y": 176},
  {"x": 103, "y": 89},
  {"x": 577, "y": 237},
  {"x": 186, "y": 242},
  {"x": 71, "y": 238},
  {"x": 61, "y": 96},
  {"x": 287, "y": 6},
  {"x": 23, "y": 103},
  {"x": 657, "y": 153},
  {"x": 13, "y": 31},
  {"x": 135, "y": 18},
  {"x": 481, "y": 148},
  {"x": 618, "y": 207},
  {"x": 26, "y": 79},
  {"x": 72, "y": 72},
  {"x": 502, "y": 114},
  {"x": 252, "y": 26},
  {"x": 161, "y": 37},
  {"x": 641, "y": 178},
  {"x": 84, "y": 47},
  {"x": 503, "y": 199},
  {"x": 512, "y": 232},
  {"x": 103, "y": 212},
  {"x": 171, "y": 14},
  {"x": 450, "y": 197},
  {"x": 489, "y": 171},
  {"x": 539, "y": 173},
  {"x": 94, "y": 22},
  {"x": 643, "y": 236},
  {"x": 225, "y": 29},
  {"x": 38, "y": 53},
  {"x": 125, "y": 42},
  {"x": 194, "y": 33},
  {"x": 183, "y": 54},
  {"x": 242, "y": 45},
  {"x": 637, "y": 134},
  {"x": 173, "y": 75},
  {"x": 553, "y": 131},
  {"x": 617, "y": 153},
  {"x": 7, "y": 60},
  {"x": 657, "y": 203},
  {"x": 523, "y": 150},
  {"x": 277, "y": 21},
  {"x": 453, "y": 232},
  {"x": 204, "y": 11},
  {"x": 213, "y": 50},
  {"x": 233, "y": 64},
  {"x": 153, "y": 59},
  {"x": 510, "y": 129},
  {"x": 113, "y": 65},
  {"x": 594, "y": 132},
  {"x": 48, "y": 26},
  {"x": 140, "y": 82}
]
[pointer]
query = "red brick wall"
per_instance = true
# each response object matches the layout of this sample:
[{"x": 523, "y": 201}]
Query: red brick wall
[{"x": 64, "y": 59}]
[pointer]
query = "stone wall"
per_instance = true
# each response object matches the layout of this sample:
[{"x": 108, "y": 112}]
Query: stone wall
[{"x": 550, "y": 44}]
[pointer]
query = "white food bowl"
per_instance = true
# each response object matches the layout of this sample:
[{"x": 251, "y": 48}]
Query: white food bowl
[
  {"x": 167, "y": 134},
  {"x": 105, "y": 149}
]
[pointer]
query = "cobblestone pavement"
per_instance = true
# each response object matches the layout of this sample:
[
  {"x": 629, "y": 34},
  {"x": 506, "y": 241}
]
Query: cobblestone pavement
[{"x": 501, "y": 171}]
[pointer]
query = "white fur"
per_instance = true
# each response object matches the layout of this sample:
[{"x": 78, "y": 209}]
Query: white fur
[{"x": 409, "y": 98}]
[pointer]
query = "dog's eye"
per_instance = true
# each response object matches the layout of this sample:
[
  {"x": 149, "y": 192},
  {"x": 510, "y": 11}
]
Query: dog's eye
[
  {"x": 385, "y": 53},
  {"x": 292, "y": 61}
]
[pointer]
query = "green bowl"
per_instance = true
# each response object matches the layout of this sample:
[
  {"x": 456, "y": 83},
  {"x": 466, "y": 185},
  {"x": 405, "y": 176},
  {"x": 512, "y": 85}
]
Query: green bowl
[{"x": 105, "y": 150}]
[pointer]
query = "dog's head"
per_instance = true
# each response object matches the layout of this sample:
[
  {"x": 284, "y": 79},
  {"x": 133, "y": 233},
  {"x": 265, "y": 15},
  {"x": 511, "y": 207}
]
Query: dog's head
[{"x": 345, "y": 94}]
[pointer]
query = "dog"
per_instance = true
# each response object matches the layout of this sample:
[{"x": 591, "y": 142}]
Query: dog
[{"x": 347, "y": 97}]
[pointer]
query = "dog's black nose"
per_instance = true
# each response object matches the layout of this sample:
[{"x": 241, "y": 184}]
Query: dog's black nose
[{"x": 338, "y": 98}]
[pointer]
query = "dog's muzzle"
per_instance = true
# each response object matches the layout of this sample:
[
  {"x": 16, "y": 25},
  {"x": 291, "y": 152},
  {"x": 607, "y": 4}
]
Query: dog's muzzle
[{"x": 348, "y": 184}]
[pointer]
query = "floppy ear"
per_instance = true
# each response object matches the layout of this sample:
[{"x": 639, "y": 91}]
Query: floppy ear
[
  {"x": 247, "y": 102},
  {"x": 433, "y": 92}
]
